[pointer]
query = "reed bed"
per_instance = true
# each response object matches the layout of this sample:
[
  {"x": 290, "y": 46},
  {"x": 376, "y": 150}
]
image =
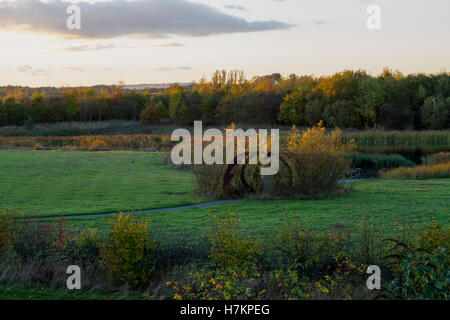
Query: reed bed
[
  {"x": 399, "y": 138},
  {"x": 92, "y": 143},
  {"x": 427, "y": 171}
]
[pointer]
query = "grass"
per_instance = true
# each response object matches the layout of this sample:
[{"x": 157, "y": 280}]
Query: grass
[
  {"x": 48, "y": 183},
  {"x": 389, "y": 203}
]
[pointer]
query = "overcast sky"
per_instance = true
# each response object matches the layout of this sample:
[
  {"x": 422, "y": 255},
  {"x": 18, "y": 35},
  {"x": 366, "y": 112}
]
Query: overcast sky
[{"x": 155, "y": 41}]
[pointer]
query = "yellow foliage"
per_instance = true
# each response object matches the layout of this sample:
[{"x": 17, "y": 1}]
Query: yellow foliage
[
  {"x": 317, "y": 159},
  {"x": 228, "y": 249},
  {"x": 429, "y": 171},
  {"x": 435, "y": 236},
  {"x": 129, "y": 255}
]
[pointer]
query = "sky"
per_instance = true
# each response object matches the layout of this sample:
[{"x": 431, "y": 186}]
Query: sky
[{"x": 165, "y": 41}]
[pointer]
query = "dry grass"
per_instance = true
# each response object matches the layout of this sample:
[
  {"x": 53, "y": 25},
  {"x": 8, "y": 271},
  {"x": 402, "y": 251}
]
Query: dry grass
[
  {"x": 428, "y": 171},
  {"x": 91, "y": 143},
  {"x": 441, "y": 157}
]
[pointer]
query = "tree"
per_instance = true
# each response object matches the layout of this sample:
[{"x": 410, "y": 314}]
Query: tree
[
  {"x": 176, "y": 95},
  {"x": 70, "y": 104},
  {"x": 436, "y": 113},
  {"x": 153, "y": 113},
  {"x": 292, "y": 110}
]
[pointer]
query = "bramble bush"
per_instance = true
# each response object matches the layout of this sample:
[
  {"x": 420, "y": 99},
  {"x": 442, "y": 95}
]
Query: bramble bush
[
  {"x": 421, "y": 267},
  {"x": 36, "y": 241},
  {"x": 129, "y": 254},
  {"x": 422, "y": 275}
]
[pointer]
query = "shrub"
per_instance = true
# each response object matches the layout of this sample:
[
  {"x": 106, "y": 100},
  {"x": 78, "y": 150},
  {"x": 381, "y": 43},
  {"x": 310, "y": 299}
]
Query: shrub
[
  {"x": 308, "y": 252},
  {"x": 435, "y": 236},
  {"x": 215, "y": 284},
  {"x": 442, "y": 157},
  {"x": 210, "y": 179},
  {"x": 129, "y": 254},
  {"x": 421, "y": 267},
  {"x": 378, "y": 161},
  {"x": 368, "y": 246},
  {"x": 423, "y": 276},
  {"x": 317, "y": 161},
  {"x": 428, "y": 171},
  {"x": 86, "y": 247},
  {"x": 41, "y": 242},
  {"x": 228, "y": 249},
  {"x": 6, "y": 232}
]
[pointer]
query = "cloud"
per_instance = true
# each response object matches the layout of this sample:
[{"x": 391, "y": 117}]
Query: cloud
[
  {"x": 48, "y": 71},
  {"x": 84, "y": 69},
  {"x": 235, "y": 7},
  {"x": 142, "y": 18},
  {"x": 168, "y": 45},
  {"x": 29, "y": 70},
  {"x": 319, "y": 22},
  {"x": 96, "y": 47},
  {"x": 166, "y": 69}
]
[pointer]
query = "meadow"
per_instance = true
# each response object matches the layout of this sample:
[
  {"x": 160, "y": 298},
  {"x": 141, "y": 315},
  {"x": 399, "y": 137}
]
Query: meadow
[
  {"x": 61, "y": 183},
  {"x": 49, "y": 183}
]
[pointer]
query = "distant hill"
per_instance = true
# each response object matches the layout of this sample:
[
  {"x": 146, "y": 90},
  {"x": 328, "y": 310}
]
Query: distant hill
[
  {"x": 160, "y": 86},
  {"x": 56, "y": 91}
]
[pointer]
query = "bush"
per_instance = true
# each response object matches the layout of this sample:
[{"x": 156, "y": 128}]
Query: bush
[
  {"x": 41, "y": 242},
  {"x": 442, "y": 157},
  {"x": 210, "y": 179},
  {"x": 129, "y": 254},
  {"x": 86, "y": 247},
  {"x": 228, "y": 249},
  {"x": 422, "y": 276},
  {"x": 308, "y": 252},
  {"x": 378, "y": 161},
  {"x": 317, "y": 161},
  {"x": 216, "y": 284},
  {"x": 435, "y": 236},
  {"x": 6, "y": 232},
  {"x": 421, "y": 267},
  {"x": 428, "y": 171}
]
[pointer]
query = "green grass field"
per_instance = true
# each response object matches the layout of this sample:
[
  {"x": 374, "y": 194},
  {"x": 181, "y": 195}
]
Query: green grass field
[
  {"x": 48, "y": 183},
  {"x": 388, "y": 203}
]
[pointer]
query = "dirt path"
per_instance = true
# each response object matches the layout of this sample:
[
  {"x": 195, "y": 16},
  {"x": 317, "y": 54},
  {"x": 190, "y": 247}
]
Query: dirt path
[{"x": 192, "y": 206}]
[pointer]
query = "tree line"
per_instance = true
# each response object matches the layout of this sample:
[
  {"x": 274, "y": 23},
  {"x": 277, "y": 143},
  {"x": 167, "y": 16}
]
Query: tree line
[{"x": 349, "y": 99}]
